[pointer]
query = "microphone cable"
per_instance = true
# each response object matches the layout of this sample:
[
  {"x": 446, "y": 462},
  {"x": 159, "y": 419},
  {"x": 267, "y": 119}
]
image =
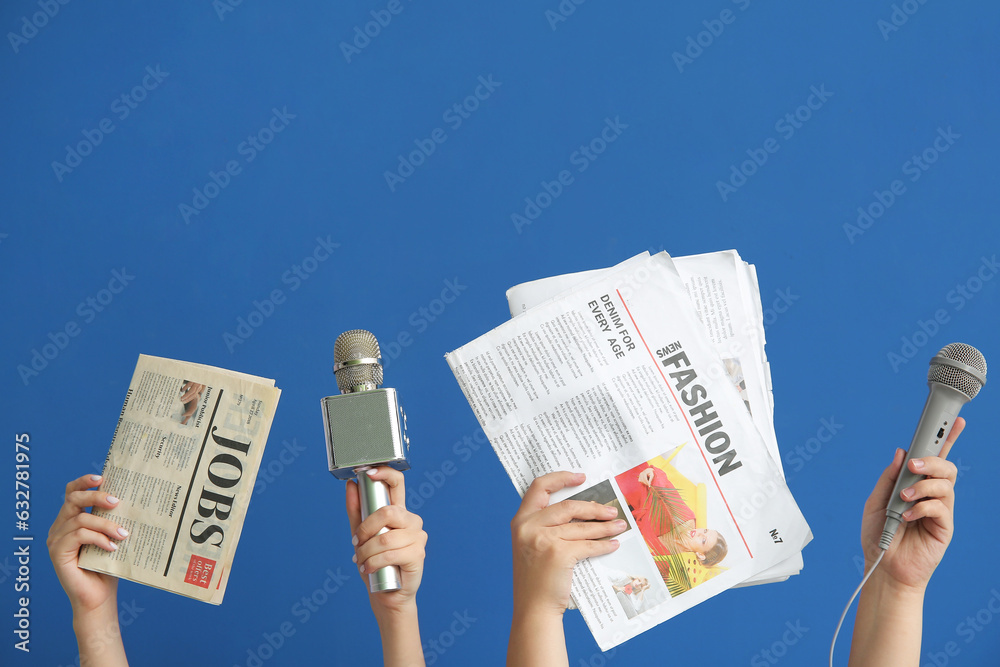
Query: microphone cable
[{"x": 851, "y": 601}]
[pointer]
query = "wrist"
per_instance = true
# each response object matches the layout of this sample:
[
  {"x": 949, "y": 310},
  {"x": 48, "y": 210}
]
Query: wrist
[
  {"x": 104, "y": 614},
  {"x": 97, "y": 631},
  {"x": 891, "y": 588},
  {"x": 538, "y": 615},
  {"x": 890, "y": 600},
  {"x": 387, "y": 615}
]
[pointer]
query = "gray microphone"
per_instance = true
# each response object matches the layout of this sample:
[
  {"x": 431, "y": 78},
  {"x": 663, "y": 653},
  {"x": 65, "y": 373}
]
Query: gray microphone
[
  {"x": 365, "y": 427},
  {"x": 956, "y": 375}
]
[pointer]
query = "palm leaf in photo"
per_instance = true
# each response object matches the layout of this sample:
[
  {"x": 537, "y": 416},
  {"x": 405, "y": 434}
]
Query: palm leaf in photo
[
  {"x": 666, "y": 508},
  {"x": 672, "y": 570}
]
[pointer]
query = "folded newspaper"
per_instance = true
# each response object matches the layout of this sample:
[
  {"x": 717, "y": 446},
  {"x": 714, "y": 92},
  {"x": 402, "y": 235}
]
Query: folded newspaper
[
  {"x": 183, "y": 461},
  {"x": 650, "y": 378}
]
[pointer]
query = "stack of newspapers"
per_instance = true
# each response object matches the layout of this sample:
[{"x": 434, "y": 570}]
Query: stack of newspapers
[{"x": 651, "y": 378}]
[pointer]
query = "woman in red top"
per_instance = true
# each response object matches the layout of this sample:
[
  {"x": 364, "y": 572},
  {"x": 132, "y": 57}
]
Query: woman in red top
[{"x": 664, "y": 519}]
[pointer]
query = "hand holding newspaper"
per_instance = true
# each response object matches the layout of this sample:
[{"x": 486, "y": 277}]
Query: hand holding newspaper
[
  {"x": 182, "y": 463},
  {"x": 619, "y": 378}
]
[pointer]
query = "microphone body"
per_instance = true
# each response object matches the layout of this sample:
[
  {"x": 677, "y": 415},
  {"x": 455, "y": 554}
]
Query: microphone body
[
  {"x": 956, "y": 375},
  {"x": 365, "y": 427}
]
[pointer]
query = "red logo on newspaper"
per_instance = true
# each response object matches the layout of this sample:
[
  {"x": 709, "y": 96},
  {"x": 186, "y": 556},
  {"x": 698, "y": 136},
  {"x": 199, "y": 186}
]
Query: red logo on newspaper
[{"x": 199, "y": 571}]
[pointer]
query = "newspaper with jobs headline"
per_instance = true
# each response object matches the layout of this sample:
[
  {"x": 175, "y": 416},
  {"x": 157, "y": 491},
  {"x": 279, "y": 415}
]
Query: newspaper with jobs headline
[
  {"x": 618, "y": 377},
  {"x": 182, "y": 462}
]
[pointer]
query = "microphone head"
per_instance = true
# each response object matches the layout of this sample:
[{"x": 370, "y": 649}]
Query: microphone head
[
  {"x": 959, "y": 366},
  {"x": 357, "y": 361}
]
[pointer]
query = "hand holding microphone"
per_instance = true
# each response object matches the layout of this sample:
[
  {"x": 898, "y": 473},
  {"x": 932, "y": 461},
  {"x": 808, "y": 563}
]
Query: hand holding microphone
[
  {"x": 402, "y": 546},
  {"x": 365, "y": 428},
  {"x": 956, "y": 375},
  {"x": 918, "y": 488},
  {"x": 366, "y": 441}
]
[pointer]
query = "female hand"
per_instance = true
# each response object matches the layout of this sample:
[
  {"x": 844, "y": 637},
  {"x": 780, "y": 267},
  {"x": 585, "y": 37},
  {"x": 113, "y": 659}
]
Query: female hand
[
  {"x": 190, "y": 395},
  {"x": 74, "y": 527},
  {"x": 191, "y": 391},
  {"x": 402, "y": 545},
  {"x": 646, "y": 477},
  {"x": 548, "y": 540},
  {"x": 927, "y": 528}
]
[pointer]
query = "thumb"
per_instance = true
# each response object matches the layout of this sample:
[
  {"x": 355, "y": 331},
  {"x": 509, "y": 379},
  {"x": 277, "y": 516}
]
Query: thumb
[{"x": 879, "y": 499}]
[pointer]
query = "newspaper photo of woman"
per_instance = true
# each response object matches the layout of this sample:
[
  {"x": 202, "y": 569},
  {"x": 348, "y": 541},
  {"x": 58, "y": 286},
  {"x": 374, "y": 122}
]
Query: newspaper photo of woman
[
  {"x": 630, "y": 590},
  {"x": 668, "y": 524}
]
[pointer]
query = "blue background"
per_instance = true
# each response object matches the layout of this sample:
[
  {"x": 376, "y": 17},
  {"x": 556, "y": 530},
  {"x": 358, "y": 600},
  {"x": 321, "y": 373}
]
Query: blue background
[{"x": 857, "y": 295}]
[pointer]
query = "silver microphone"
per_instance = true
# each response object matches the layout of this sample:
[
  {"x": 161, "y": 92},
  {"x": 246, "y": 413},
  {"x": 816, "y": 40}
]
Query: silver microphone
[
  {"x": 365, "y": 427},
  {"x": 956, "y": 375}
]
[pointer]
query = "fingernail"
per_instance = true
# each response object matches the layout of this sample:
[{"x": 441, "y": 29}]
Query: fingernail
[
  {"x": 123, "y": 532},
  {"x": 95, "y": 478},
  {"x": 112, "y": 500},
  {"x": 908, "y": 514},
  {"x": 579, "y": 476},
  {"x": 354, "y": 540},
  {"x": 614, "y": 542},
  {"x": 362, "y": 568},
  {"x": 114, "y": 547},
  {"x": 611, "y": 511},
  {"x": 908, "y": 493},
  {"x": 918, "y": 464},
  {"x": 620, "y": 524},
  {"x": 354, "y": 558},
  {"x": 371, "y": 472}
]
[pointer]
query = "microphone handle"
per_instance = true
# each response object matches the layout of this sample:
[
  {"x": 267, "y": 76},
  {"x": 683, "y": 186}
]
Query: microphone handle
[
  {"x": 375, "y": 494},
  {"x": 940, "y": 411}
]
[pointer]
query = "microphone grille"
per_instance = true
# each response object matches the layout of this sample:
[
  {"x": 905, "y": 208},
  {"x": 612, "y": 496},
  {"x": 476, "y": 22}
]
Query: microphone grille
[
  {"x": 957, "y": 378},
  {"x": 352, "y": 346}
]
